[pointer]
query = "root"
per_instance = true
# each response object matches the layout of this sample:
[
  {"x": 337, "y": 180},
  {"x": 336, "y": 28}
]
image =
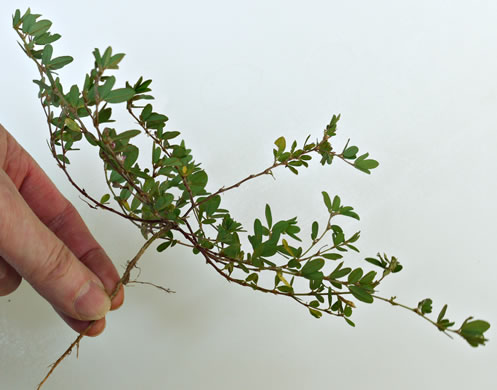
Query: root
[
  {"x": 166, "y": 290},
  {"x": 122, "y": 282}
]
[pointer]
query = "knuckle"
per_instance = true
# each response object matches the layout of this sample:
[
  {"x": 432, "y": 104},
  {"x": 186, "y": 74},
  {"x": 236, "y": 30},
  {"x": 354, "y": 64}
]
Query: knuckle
[
  {"x": 58, "y": 222},
  {"x": 57, "y": 264},
  {"x": 8, "y": 209}
]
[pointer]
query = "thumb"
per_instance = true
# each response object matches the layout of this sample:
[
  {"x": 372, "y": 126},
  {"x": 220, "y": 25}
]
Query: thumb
[{"x": 36, "y": 253}]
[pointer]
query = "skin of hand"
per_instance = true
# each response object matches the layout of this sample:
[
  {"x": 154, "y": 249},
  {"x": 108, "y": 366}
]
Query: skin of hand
[{"x": 44, "y": 240}]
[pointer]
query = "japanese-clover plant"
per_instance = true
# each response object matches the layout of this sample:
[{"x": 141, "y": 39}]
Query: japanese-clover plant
[{"x": 170, "y": 201}]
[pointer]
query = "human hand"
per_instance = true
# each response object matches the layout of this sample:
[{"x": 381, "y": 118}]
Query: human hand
[{"x": 44, "y": 240}]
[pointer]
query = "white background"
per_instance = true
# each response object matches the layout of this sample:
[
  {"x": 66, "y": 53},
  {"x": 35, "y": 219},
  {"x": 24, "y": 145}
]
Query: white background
[{"x": 416, "y": 84}]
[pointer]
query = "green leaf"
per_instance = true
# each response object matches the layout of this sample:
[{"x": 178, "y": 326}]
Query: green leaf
[
  {"x": 40, "y": 27},
  {"x": 279, "y": 227},
  {"x": 339, "y": 272},
  {"x": 361, "y": 294},
  {"x": 337, "y": 306},
  {"x": 232, "y": 251},
  {"x": 104, "y": 199},
  {"x": 141, "y": 87},
  {"x": 336, "y": 204},
  {"x": 16, "y": 18},
  {"x": 135, "y": 204},
  {"x": 120, "y": 95},
  {"x": 327, "y": 200},
  {"x": 365, "y": 165},
  {"x": 131, "y": 156},
  {"x": 285, "y": 289},
  {"x": 314, "y": 304},
  {"x": 164, "y": 201},
  {"x": 314, "y": 232},
  {"x": 73, "y": 96},
  {"x": 211, "y": 206},
  {"x": 269, "y": 217},
  {"x": 269, "y": 248},
  {"x": 331, "y": 128},
  {"x": 311, "y": 267},
  {"x": 46, "y": 55},
  {"x": 293, "y": 170},
  {"x": 104, "y": 115},
  {"x": 332, "y": 256},
  {"x": 63, "y": 158},
  {"x": 349, "y": 322},
  {"x": 376, "y": 262},
  {"x": 28, "y": 21},
  {"x": 156, "y": 155},
  {"x": 315, "y": 313},
  {"x": 162, "y": 247},
  {"x": 199, "y": 179},
  {"x": 144, "y": 97},
  {"x": 253, "y": 277},
  {"x": 72, "y": 125},
  {"x": 115, "y": 177},
  {"x": 156, "y": 121},
  {"x": 425, "y": 306},
  {"x": 472, "y": 331},
  {"x": 350, "y": 152},
  {"x": 338, "y": 236},
  {"x": 98, "y": 57},
  {"x": 330, "y": 297},
  {"x": 281, "y": 144},
  {"x": 106, "y": 57},
  {"x": 104, "y": 89},
  {"x": 368, "y": 278},
  {"x": 355, "y": 275},
  {"x": 292, "y": 230},
  {"x": 91, "y": 139},
  {"x": 59, "y": 62},
  {"x": 347, "y": 211},
  {"x": 369, "y": 164},
  {"x": 476, "y": 326},
  {"x": 146, "y": 112},
  {"x": 115, "y": 60},
  {"x": 126, "y": 135},
  {"x": 258, "y": 229},
  {"x": 46, "y": 38},
  {"x": 441, "y": 315},
  {"x": 283, "y": 157},
  {"x": 125, "y": 194},
  {"x": 170, "y": 134}
]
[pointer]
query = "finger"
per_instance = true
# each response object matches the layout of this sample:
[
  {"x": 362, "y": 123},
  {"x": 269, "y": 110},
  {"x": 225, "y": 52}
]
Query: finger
[
  {"x": 70, "y": 228},
  {"x": 55, "y": 211},
  {"x": 9, "y": 278},
  {"x": 96, "y": 260},
  {"x": 44, "y": 261},
  {"x": 79, "y": 326}
]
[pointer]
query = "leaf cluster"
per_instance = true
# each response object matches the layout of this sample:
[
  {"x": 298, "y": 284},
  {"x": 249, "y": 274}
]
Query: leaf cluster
[{"x": 169, "y": 198}]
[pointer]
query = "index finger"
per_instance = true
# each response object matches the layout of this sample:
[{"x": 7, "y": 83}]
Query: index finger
[{"x": 56, "y": 212}]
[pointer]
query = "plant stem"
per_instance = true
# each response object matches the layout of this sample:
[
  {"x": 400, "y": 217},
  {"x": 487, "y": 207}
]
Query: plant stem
[
  {"x": 122, "y": 282},
  {"x": 416, "y": 311}
]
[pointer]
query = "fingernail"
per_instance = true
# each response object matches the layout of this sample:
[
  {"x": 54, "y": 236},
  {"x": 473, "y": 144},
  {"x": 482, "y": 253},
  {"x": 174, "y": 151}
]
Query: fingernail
[
  {"x": 92, "y": 302},
  {"x": 3, "y": 270}
]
